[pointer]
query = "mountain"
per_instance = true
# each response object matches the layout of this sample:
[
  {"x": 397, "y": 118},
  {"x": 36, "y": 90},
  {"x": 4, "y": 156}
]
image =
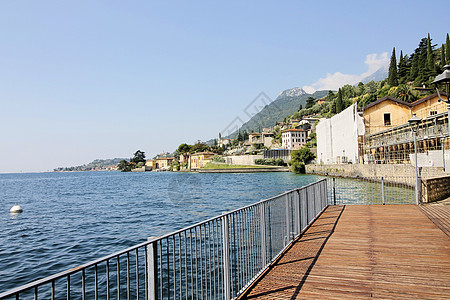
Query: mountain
[
  {"x": 96, "y": 165},
  {"x": 380, "y": 74},
  {"x": 287, "y": 103}
]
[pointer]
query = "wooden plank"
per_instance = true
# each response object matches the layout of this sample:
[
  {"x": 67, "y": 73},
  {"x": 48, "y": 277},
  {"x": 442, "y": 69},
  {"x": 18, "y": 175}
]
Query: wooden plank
[
  {"x": 439, "y": 214},
  {"x": 388, "y": 252}
]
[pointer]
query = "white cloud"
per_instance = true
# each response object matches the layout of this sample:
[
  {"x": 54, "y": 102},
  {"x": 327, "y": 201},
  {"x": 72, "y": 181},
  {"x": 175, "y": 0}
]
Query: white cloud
[{"x": 334, "y": 81}]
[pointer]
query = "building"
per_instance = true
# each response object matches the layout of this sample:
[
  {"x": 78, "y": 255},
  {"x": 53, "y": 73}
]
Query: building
[
  {"x": 255, "y": 138},
  {"x": 389, "y": 138},
  {"x": 159, "y": 163},
  {"x": 200, "y": 159},
  {"x": 293, "y": 138},
  {"x": 340, "y": 137},
  {"x": 223, "y": 142},
  {"x": 267, "y": 138},
  {"x": 151, "y": 163}
]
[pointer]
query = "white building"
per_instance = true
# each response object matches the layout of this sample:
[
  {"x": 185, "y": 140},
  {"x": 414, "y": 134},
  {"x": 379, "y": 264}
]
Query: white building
[
  {"x": 337, "y": 138},
  {"x": 292, "y": 139}
]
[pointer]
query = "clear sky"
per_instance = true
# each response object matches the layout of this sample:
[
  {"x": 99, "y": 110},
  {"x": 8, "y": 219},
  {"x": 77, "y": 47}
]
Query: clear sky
[{"x": 81, "y": 80}]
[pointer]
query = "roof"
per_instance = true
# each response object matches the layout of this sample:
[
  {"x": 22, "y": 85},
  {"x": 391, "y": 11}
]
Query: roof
[
  {"x": 254, "y": 133},
  {"x": 164, "y": 158},
  {"x": 288, "y": 130},
  {"x": 427, "y": 98},
  {"x": 403, "y": 102},
  {"x": 384, "y": 99},
  {"x": 203, "y": 153}
]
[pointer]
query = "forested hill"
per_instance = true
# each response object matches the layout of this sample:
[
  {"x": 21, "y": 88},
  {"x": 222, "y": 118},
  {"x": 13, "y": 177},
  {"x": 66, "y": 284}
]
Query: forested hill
[{"x": 287, "y": 103}]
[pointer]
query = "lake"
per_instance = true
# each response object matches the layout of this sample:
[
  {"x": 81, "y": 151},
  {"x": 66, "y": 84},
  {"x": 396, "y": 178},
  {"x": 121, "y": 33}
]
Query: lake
[{"x": 72, "y": 218}]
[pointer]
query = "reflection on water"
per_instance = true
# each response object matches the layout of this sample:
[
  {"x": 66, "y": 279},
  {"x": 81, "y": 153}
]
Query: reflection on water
[{"x": 72, "y": 218}]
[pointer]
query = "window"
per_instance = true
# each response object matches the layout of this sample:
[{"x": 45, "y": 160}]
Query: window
[
  {"x": 433, "y": 112},
  {"x": 387, "y": 119}
]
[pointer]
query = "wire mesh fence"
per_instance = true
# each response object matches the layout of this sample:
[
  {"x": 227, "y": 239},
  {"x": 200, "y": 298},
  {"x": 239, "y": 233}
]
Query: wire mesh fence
[{"x": 377, "y": 190}]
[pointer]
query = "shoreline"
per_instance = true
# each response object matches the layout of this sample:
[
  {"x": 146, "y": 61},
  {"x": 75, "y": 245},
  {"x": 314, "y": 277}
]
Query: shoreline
[{"x": 244, "y": 170}]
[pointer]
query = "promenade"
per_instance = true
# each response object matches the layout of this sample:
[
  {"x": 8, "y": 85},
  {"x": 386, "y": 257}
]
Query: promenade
[{"x": 364, "y": 251}]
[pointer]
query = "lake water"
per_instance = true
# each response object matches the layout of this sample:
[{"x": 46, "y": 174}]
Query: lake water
[{"x": 73, "y": 218}]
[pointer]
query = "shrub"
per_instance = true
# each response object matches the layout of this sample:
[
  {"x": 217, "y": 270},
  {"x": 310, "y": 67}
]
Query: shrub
[
  {"x": 298, "y": 167},
  {"x": 270, "y": 162}
]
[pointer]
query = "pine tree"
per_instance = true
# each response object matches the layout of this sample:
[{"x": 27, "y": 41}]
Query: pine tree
[
  {"x": 430, "y": 59},
  {"x": 442, "y": 63},
  {"x": 339, "y": 102},
  {"x": 239, "y": 136},
  {"x": 414, "y": 71},
  {"x": 447, "y": 51},
  {"x": 393, "y": 77},
  {"x": 403, "y": 70},
  {"x": 419, "y": 68}
]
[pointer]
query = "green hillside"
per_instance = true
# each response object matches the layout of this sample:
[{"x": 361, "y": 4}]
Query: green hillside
[{"x": 283, "y": 106}]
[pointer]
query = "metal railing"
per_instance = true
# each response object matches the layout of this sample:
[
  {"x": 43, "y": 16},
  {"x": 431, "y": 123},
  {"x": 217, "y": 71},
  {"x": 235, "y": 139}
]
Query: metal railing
[
  {"x": 376, "y": 190},
  {"x": 214, "y": 259}
]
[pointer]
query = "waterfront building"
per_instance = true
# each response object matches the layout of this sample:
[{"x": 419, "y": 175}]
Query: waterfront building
[
  {"x": 339, "y": 138},
  {"x": 389, "y": 138},
  {"x": 200, "y": 159},
  {"x": 292, "y": 139}
]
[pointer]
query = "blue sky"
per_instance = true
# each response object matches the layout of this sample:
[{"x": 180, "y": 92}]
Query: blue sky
[{"x": 81, "y": 80}]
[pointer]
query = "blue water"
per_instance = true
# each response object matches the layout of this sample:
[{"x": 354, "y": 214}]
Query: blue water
[{"x": 72, "y": 218}]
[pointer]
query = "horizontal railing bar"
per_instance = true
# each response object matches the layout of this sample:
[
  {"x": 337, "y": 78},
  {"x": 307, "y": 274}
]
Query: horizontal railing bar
[{"x": 71, "y": 271}]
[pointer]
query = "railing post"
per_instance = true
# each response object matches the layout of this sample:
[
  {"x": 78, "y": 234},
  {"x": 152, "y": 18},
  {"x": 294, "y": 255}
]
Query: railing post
[
  {"x": 262, "y": 220},
  {"x": 297, "y": 212},
  {"x": 303, "y": 209},
  {"x": 382, "y": 190},
  {"x": 226, "y": 258},
  {"x": 152, "y": 271},
  {"x": 334, "y": 190},
  {"x": 288, "y": 220}
]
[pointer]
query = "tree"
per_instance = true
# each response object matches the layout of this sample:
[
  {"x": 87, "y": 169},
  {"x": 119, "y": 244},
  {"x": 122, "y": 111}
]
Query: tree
[
  {"x": 414, "y": 70},
  {"x": 442, "y": 59},
  {"x": 245, "y": 135},
  {"x": 339, "y": 102},
  {"x": 403, "y": 68},
  {"x": 299, "y": 158},
  {"x": 405, "y": 93},
  {"x": 393, "y": 77},
  {"x": 184, "y": 149},
  {"x": 447, "y": 50},
  {"x": 240, "y": 138},
  {"x": 124, "y": 166},
  {"x": 310, "y": 102},
  {"x": 303, "y": 155},
  {"x": 300, "y": 107},
  {"x": 138, "y": 157},
  {"x": 430, "y": 59},
  {"x": 199, "y": 147}
]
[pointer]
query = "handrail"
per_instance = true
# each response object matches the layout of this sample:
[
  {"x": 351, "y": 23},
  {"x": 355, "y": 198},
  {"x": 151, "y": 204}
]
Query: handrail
[{"x": 246, "y": 226}]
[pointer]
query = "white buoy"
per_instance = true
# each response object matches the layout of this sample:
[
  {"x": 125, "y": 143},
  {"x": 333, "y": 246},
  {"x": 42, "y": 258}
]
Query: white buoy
[{"x": 16, "y": 209}]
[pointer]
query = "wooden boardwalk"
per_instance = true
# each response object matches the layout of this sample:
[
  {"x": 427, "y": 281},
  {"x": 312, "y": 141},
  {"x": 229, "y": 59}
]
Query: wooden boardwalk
[{"x": 362, "y": 251}]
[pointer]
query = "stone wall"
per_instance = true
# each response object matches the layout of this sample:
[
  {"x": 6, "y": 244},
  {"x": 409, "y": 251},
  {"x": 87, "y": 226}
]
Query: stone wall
[
  {"x": 435, "y": 189},
  {"x": 375, "y": 170},
  {"x": 248, "y": 160}
]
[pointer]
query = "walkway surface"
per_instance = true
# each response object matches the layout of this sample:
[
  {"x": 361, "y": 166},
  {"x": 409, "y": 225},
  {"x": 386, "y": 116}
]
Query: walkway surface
[{"x": 359, "y": 252}]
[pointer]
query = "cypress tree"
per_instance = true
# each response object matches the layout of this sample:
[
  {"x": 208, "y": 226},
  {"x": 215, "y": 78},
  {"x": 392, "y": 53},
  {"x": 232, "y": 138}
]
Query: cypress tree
[
  {"x": 414, "y": 71},
  {"x": 403, "y": 68},
  {"x": 339, "y": 102},
  {"x": 420, "y": 73},
  {"x": 442, "y": 56},
  {"x": 447, "y": 51},
  {"x": 393, "y": 77},
  {"x": 430, "y": 59}
]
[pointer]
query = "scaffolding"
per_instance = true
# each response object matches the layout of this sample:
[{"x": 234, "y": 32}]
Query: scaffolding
[{"x": 394, "y": 145}]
